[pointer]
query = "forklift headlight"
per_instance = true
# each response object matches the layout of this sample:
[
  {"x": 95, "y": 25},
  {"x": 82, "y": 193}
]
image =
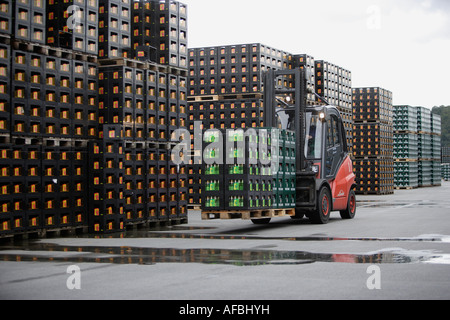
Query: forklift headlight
[
  {"x": 322, "y": 116},
  {"x": 315, "y": 169}
]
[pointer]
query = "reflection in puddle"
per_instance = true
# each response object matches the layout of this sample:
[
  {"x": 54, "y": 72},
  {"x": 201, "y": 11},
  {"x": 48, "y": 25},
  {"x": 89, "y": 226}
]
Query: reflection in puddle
[{"x": 149, "y": 256}]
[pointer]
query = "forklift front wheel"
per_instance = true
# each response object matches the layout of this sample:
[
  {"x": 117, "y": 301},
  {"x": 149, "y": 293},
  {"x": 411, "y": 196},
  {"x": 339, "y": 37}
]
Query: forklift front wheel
[
  {"x": 350, "y": 212},
  {"x": 324, "y": 204}
]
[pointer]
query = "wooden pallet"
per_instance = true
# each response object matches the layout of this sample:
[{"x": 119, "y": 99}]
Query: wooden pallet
[
  {"x": 204, "y": 98},
  {"x": 405, "y": 188},
  {"x": 194, "y": 207},
  {"x": 406, "y": 160},
  {"x": 247, "y": 214},
  {"x": 122, "y": 62}
]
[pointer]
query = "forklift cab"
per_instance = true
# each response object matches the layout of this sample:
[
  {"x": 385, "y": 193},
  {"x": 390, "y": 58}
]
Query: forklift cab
[
  {"x": 325, "y": 141},
  {"x": 326, "y": 156}
]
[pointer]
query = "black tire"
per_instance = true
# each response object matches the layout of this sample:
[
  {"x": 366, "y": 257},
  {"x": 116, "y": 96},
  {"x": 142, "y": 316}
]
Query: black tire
[
  {"x": 350, "y": 212},
  {"x": 324, "y": 207},
  {"x": 261, "y": 221}
]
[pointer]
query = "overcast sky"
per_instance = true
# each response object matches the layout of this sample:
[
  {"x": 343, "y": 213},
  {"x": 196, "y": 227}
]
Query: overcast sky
[{"x": 399, "y": 45}]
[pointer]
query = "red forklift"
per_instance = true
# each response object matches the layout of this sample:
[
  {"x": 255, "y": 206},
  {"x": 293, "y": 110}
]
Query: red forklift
[{"x": 325, "y": 178}]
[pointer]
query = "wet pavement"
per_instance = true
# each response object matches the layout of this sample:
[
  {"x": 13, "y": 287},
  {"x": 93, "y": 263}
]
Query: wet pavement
[{"x": 407, "y": 235}]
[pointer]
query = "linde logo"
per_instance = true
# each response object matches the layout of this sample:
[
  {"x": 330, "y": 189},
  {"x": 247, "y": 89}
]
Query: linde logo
[{"x": 231, "y": 147}]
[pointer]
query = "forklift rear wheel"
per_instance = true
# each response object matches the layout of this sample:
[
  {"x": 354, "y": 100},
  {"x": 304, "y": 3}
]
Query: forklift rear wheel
[
  {"x": 324, "y": 202},
  {"x": 350, "y": 212},
  {"x": 261, "y": 221}
]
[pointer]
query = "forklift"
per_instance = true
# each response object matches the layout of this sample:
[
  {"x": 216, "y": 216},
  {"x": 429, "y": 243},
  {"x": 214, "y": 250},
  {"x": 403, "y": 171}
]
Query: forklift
[{"x": 325, "y": 178}]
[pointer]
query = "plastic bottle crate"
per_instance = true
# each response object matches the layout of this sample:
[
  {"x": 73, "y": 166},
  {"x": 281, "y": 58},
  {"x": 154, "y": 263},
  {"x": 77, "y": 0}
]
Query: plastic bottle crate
[
  {"x": 425, "y": 146},
  {"x": 423, "y": 119},
  {"x": 6, "y": 17},
  {"x": 425, "y": 173},
  {"x": 107, "y": 225},
  {"x": 436, "y": 126},
  {"x": 405, "y": 118},
  {"x": 445, "y": 171},
  {"x": 406, "y": 146},
  {"x": 406, "y": 174}
]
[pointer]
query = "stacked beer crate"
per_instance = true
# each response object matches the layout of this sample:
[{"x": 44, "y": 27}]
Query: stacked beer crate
[
  {"x": 445, "y": 167},
  {"x": 159, "y": 32},
  {"x": 141, "y": 104},
  {"x": 373, "y": 140},
  {"x": 248, "y": 171},
  {"x": 427, "y": 153},
  {"x": 225, "y": 90},
  {"x": 85, "y": 143},
  {"x": 436, "y": 146},
  {"x": 445, "y": 155},
  {"x": 77, "y": 28},
  {"x": 48, "y": 103},
  {"x": 334, "y": 83},
  {"x": 406, "y": 152}
]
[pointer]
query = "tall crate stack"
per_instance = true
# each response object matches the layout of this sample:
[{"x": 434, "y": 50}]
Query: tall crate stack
[
  {"x": 308, "y": 62},
  {"x": 334, "y": 83},
  {"x": 141, "y": 104},
  {"x": 436, "y": 146},
  {"x": 48, "y": 116},
  {"x": 445, "y": 170},
  {"x": 82, "y": 147},
  {"x": 225, "y": 90},
  {"x": 114, "y": 29},
  {"x": 445, "y": 155},
  {"x": 77, "y": 28},
  {"x": 373, "y": 140},
  {"x": 159, "y": 32},
  {"x": 406, "y": 152},
  {"x": 425, "y": 143}
]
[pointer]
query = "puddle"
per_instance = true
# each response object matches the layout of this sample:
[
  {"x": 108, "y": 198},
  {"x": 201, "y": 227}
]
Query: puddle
[
  {"x": 226, "y": 236},
  {"x": 38, "y": 252},
  {"x": 367, "y": 204}
]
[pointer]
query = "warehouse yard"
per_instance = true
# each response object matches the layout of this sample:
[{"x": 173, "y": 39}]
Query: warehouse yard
[{"x": 398, "y": 247}]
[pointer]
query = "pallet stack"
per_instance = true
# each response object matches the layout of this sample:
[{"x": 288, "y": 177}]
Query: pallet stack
[
  {"x": 406, "y": 152},
  {"x": 78, "y": 30},
  {"x": 226, "y": 90},
  {"x": 159, "y": 32},
  {"x": 141, "y": 103},
  {"x": 436, "y": 146},
  {"x": 426, "y": 152},
  {"x": 445, "y": 155},
  {"x": 48, "y": 115},
  {"x": 249, "y": 171},
  {"x": 373, "y": 140},
  {"x": 417, "y": 147},
  {"x": 85, "y": 142},
  {"x": 334, "y": 83},
  {"x": 445, "y": 169}
]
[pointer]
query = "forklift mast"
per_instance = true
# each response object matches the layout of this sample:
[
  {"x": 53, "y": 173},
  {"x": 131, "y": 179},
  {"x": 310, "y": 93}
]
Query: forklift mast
[{"x": 296, "y": 105}]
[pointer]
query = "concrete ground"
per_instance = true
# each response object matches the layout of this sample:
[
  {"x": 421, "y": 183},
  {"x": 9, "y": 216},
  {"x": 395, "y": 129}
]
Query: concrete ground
[{"x": 398, "y": 247}]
